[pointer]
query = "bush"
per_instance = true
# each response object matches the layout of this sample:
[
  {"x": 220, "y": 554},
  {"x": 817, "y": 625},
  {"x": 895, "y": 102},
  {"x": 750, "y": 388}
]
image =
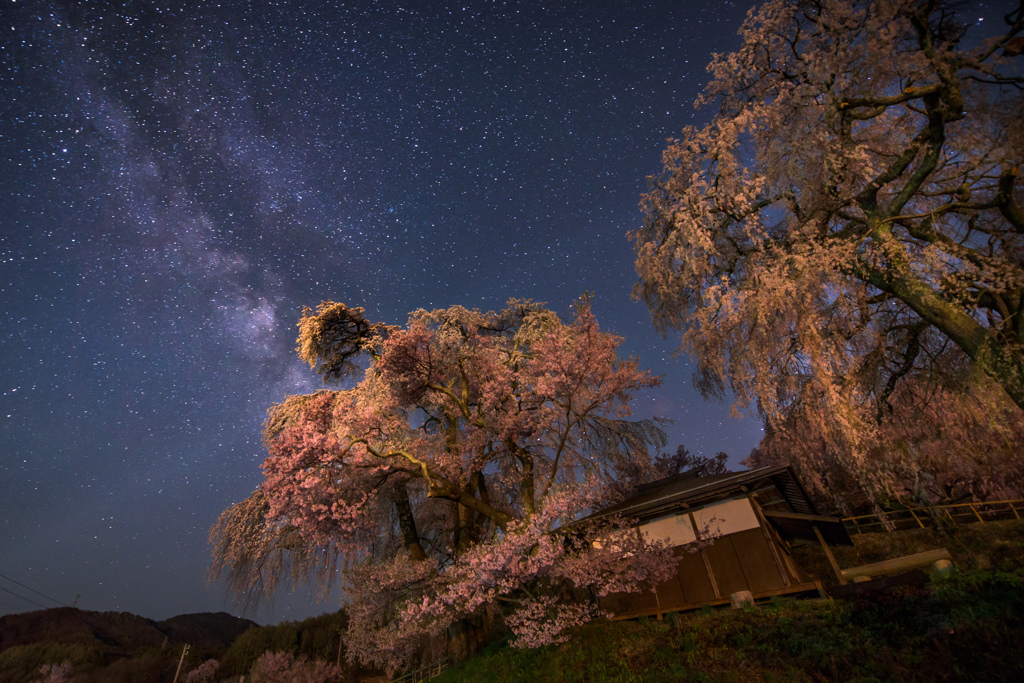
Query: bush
[
  {"x": 203, "y": 673},
  {"x": 56, "y": 673},
  {"x": 282, "y": 667}
]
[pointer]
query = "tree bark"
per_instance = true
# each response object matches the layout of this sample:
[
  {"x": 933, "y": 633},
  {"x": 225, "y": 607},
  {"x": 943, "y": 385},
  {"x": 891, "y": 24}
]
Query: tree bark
[{"x": 407, "y": 523}]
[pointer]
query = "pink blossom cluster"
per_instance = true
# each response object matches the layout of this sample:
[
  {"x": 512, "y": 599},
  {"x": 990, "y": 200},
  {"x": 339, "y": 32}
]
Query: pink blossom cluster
[
  {"x": 283, "y": 667},
  {"x": 56, "y": 673},
  {"x": 530, "y": 571},
  {"x": 204, "y": 673}
]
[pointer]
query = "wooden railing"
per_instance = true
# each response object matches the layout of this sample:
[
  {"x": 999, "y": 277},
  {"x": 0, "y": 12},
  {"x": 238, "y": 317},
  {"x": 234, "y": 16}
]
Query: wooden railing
[
  {"x": 423, "y": 673},
  {"x": 925, "y": 517}
]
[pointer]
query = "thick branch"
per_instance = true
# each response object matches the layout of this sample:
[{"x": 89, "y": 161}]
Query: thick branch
[
  {"x": 868, "y": 197},
  {"x": 440, "y": 487},
  {"x": 1002, "y": 362},
  {"x": 905, "y": 96}
]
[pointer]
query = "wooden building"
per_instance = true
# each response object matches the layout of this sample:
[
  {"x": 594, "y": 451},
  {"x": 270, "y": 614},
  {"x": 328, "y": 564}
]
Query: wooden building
[{"x": 751, "y": 519}]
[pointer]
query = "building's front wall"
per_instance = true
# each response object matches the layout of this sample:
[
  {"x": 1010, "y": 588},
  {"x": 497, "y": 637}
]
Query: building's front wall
[{"x": 739, "y": 558}]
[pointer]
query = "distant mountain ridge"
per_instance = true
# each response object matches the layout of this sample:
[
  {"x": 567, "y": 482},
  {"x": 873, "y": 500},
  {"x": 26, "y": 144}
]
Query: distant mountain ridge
[
  {"x": 107, "y": 646},
  {"x": 120, "y": 630}
]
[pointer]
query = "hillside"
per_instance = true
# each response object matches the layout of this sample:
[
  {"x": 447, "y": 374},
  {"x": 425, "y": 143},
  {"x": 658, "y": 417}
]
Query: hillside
[
  {"x": 966, "y": 628},
  {"x": 109, "y": 645}
]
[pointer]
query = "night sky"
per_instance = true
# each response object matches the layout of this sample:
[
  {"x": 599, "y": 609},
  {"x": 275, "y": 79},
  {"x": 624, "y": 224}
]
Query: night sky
[{"x": 179, "y": 181}]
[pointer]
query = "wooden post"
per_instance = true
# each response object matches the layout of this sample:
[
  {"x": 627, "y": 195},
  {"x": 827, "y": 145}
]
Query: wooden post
[
  {"x": 830, "y": 556},
  {"x": 914, "y": 515},
  {"x": 704, "y": 556},
  {"x": 975, "y": 511},
  {"x": 339, "y": 647},
  {"x": 769, "y": 539},
  {"x": 181, "y": 661}
]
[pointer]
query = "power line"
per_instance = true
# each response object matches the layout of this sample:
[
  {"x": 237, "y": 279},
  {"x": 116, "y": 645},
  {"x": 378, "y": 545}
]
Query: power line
[
  {"x": 22, "y": 597},
  {"x": 34, "y": 591}
]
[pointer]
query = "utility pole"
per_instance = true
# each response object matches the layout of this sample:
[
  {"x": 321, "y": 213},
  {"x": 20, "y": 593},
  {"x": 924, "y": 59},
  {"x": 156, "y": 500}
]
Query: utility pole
[
  {"x": 181, "y": 661},
  {"x": 339, "y": 645}
]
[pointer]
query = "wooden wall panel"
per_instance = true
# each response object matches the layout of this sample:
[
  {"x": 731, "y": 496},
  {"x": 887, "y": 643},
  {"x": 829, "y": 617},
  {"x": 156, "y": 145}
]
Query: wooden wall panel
[
  {"x": 693, "y": 579},
  {"x": 759, "y": 567},
  {"x": 738, "y": 561},
  {"x": 670, "y": 593},
  {"x": 725, "y": 563}
]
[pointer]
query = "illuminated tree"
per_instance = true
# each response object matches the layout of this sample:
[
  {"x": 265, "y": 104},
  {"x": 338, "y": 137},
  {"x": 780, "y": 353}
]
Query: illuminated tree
[
  {"x": 938, "y": 445},
  {"x": 436, "y": 481},
  {"x": 847, "y": 230}
]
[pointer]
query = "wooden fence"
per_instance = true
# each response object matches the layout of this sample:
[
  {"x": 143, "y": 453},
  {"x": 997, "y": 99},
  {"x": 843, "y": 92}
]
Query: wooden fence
[
  {"x": 924, "y": 517},
  {"x": 423, "y": 673}
]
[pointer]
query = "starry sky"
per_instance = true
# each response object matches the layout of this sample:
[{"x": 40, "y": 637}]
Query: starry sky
[{"x": 179, "y": 180}]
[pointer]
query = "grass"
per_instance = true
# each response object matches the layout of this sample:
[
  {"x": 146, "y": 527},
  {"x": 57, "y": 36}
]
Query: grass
[{"x": 968, "y": 626}]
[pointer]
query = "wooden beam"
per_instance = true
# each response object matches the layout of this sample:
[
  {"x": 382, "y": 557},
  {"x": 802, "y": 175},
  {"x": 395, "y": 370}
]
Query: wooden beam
[
  {"x": 769, "y": 539},
  {"x": 830, "y": 556},
  {"x": 801, "y": 516},
  {"x": 900, "y": 564},
  {"x": 704, "y": 556}
]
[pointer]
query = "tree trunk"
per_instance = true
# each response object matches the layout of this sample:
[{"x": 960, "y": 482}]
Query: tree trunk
[
  {"x": 407, "y": 523},
  {"x": 526, "y": 485},
  {"x": 466, "y": 637}
]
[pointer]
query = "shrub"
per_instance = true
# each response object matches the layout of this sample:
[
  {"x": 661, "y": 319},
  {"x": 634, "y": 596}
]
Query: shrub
[
  {"x": 203, "y": 673},
  {"x": 282, "y": 667},
  {"x": 56, "y": 673}
]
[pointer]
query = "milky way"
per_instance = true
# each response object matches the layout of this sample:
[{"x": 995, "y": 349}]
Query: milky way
[{"x": 179, "y": 180}]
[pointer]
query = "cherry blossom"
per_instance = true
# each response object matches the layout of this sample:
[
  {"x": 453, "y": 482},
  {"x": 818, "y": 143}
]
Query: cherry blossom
[
  {"x": 848, "y": 230},
  {"x": 442, "y": 483}
]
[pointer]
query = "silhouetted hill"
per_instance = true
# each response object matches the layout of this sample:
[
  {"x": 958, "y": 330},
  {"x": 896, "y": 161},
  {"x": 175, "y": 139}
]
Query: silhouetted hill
[
  {"x": 67, "y": 625},
  {"x": 110, "y": 645},
  {"x": 208, "y": 630},
  {"x": 120, "y": 630}
]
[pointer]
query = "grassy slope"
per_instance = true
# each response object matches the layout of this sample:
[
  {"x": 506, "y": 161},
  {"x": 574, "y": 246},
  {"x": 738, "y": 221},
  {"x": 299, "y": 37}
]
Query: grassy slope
[{"x": 967, "y": 627}]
